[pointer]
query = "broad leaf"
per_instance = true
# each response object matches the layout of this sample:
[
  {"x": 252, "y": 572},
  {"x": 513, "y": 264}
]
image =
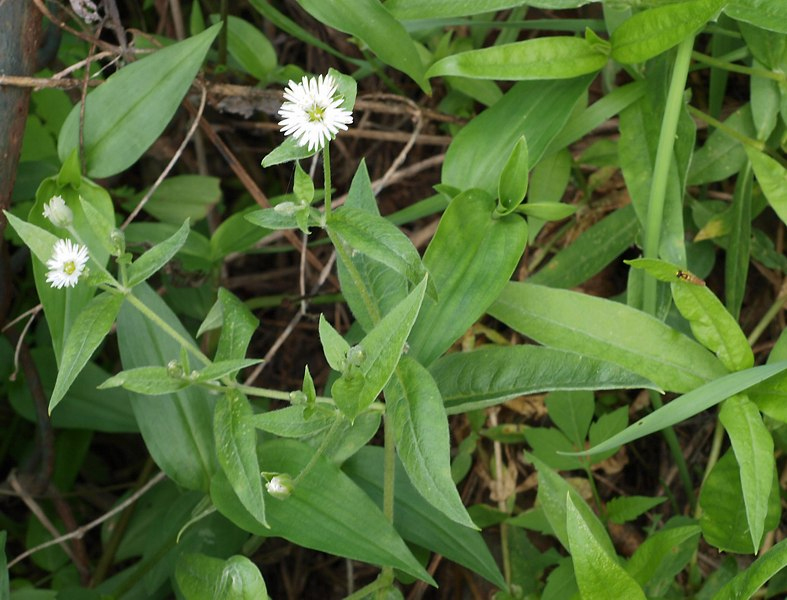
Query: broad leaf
[
  {"x": 662, "y": 556},
  {"x": 202, "y": 577},
  {"x": 772, "y": 178},
  {"x": 607, "y": 330},
  {"x": 125, "y": 115},
  {"x": 238, "y": 324},
  {"x": 744, "y": 585},
  {"x": 492, "y": 374},
  {"x": 159, "y": 255},
  {"x": 87, "y": 333},
  {"x": 423, "y": 440},
  {"x": 236, "y": 447},
  {"x": 470, "y": 258}
]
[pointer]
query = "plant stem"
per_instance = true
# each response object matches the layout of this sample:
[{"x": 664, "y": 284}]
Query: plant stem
[
  {"x": 734, "y": 134},
  {"x": 728, "y": 66},
  {"x": 168, "y": 329},
  {"x": 319, "y": 452},
  {"x": 341, "y": 250},
  {"x": 389, "y": 472},
  {"x": 655, "y": 215},
  {"x": 778, "y": 304},
  {"x": 326, "y": 165},
  {"x": 664, "y": 153}
]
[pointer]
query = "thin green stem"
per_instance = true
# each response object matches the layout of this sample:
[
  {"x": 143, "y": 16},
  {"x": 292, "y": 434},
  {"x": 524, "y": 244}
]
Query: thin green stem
[
  {"x": 167, "y": 328},
  {"x": 389, "y": 481},
  {"x": 326, "y": 165},
  {"x": 320, "y": 451},
  {"x": 767, "y": 318},
  {"x": 664, "y": 153},
  {"x": 355, "y": 275},
  {"x": 734, "y": 134},
  {"x": 367, "y": 590},
  {"x": 728, "y": 66}
]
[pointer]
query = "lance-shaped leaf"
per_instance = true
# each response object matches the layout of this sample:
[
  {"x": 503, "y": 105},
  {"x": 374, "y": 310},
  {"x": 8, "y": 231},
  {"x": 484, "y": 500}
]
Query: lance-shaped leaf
[
  {"x": 334, "y": 346},
  {"x": 125, "y": 115},
  {"x": 328, "y": 512},
  {"x": 599, "y": 574},
  {"x": 423, "y": 440},
  {"x": 151, "y": 381},
  {"x": 690, "y": 404},
  {"x": 772, "y": 178},
  {"x": 753, "y": 446},
  {"x": 609, "y": 331},
  {"x": 746, "y": 583},
  {"x": 471, "y": 257},
  {"x": 237, "y": 326},
  {"x": 494, "y": 374},
  {"x": 557, "y": 57},
  {"x": 662, "y": 556},
  {"x": 378, "y": 239},
  {"x": 378, "y": 354},
  {"x": 653, "y": 31},
  {"x": 157, "y": 256},
  {"x": 236, "y": 447},
  {"x": 512, "y": 187},
  {"x": 87, "y": 332},
  {"x": 40, "y": 241}
]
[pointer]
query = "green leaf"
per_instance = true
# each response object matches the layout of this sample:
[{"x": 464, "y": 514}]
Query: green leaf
[
  {"x": 593, "y": 250},
  {"x": 125, "y": 115},
  {"x": 762, "y": 13},
  {"x": 238, "y": 325},
  {"x": 627, "y": 508},
  {"x": 328, "y": 512},
  {"x": 287, "y": 151},
  {"x": 557, "y": 57},
  {"x": 183, "y": 197},
  {"x": 571, "y": 412},
  {"x": 303, "y": 186},
  {"x": 159, "y": 255},
  {"x": 470, "y": 258},
  {"x": 443, "y": 9},
  {"x": 722, "y": 155},
  {"x": 202, "y": 577},
  {"x": 333, "y": 345},
  {"x": 753, "y": 446},
  {"x": 419, "y": 522},
  {"x": 384, "y": 287},
  {"x": 662, "y": 556},
  {"x": 178, "y": 429},
  {"x": 423, "y": 440},
  {"x": 378, "y": 239},
  {"x": 599, "y": 574},
  {"x": 491, "y": 375},
  {"x": 748, "y": 582},
  {"x": 690, "y": 404},
  {"x": 290, "y": 421},
  {"x": 536, "y": 109},
  {"x": 512, "y": 187},
  {"x": 236, "y": 447},
  {"x": 653, "y": 31},
  {"x": 39, "y": 240},
  {"x": 224, "y": 368},
  {"x": 724, "y": 522},
  {"x": 380, "y": 352},
  {"x": 713, "y": 326},
  {"x": 87, "y": 333},
  {"x": 370, "y": 22},
  {"x": 253, "y": 51},
  {"x": 547, "y": 211},
  {"x": 736, "y": 263},
  {"x": 151, "y": 381},
  {"x": 607, "y": 330},
  {"x": 772, "y": 178}
]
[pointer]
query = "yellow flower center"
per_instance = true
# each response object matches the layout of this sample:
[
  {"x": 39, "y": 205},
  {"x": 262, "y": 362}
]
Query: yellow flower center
[
  {"x": 69, "y": 267},
  {"x": 315, "y": 113}
]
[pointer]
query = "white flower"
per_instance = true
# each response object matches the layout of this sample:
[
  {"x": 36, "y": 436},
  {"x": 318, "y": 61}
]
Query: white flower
[
  {"x": 66, "y": 265},
  {"x": 280, "y": 486},
  {"x": 312, "y": 112},
  {"x": 58, "y": 212}
]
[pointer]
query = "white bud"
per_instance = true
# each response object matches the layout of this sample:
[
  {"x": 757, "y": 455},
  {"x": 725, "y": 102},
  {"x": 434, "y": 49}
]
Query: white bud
[
  {"x": 58, "y": 212},
  {"x": 280, "y": 486}
]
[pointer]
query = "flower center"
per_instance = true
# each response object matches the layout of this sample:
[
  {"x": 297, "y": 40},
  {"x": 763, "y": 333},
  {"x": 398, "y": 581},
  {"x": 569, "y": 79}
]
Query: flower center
[
  {"x": 69, "y": 267},
  {"x": 315, "y": 113}
]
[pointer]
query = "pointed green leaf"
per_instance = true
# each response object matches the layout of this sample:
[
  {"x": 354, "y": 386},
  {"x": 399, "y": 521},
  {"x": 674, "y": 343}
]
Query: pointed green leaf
[
  {"x": 418, "y": 521},
  {"x": 423, "y": 441},
  {"x": 225, "y": 368},
  {"x": 328, "y": 512},
  {"x": 378, "y": 239},
  {"x": 157, "y": 256},
  {"x": 662, "y": 556},
  {"x": 379, "y": 353},
  {"x": 237, "y": 327},
  {"x": 236, "y": 446},
  {"x": 571, "y": 412},
  {"x": 202, "y": 577},
  {"x": 607, "y": 330},
  {"x": 178, "y": 428},
  {"x": 772, "y": 178},
  {"x": 470, "y": 258},
  {"x": 690, "y": 404},
  {"x": 627, "y": 508},
  {"x": 491, "y": 375},
  {"x": 333, "y": 345},
  {"x": 653, "y": 31},
  {"x": 125, "y": 115},
  {"x": 512, "y": 187},
  {"x": 724, "y": 522},
  {"x": 87, "y": 333},
  {"x": 753, "y": 447},
  {"x": 748, "y": 582},
  {"x": 290, "y": 421},
  {"x": 556, "y": 57},
  {"x": 598, "y": 572},
  {"x": 152, "y": 381}
]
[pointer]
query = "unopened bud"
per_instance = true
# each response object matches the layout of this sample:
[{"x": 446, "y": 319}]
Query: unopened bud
[
  {"x": 58, "y": 212},
  {"x": 280, "y": 486}
]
